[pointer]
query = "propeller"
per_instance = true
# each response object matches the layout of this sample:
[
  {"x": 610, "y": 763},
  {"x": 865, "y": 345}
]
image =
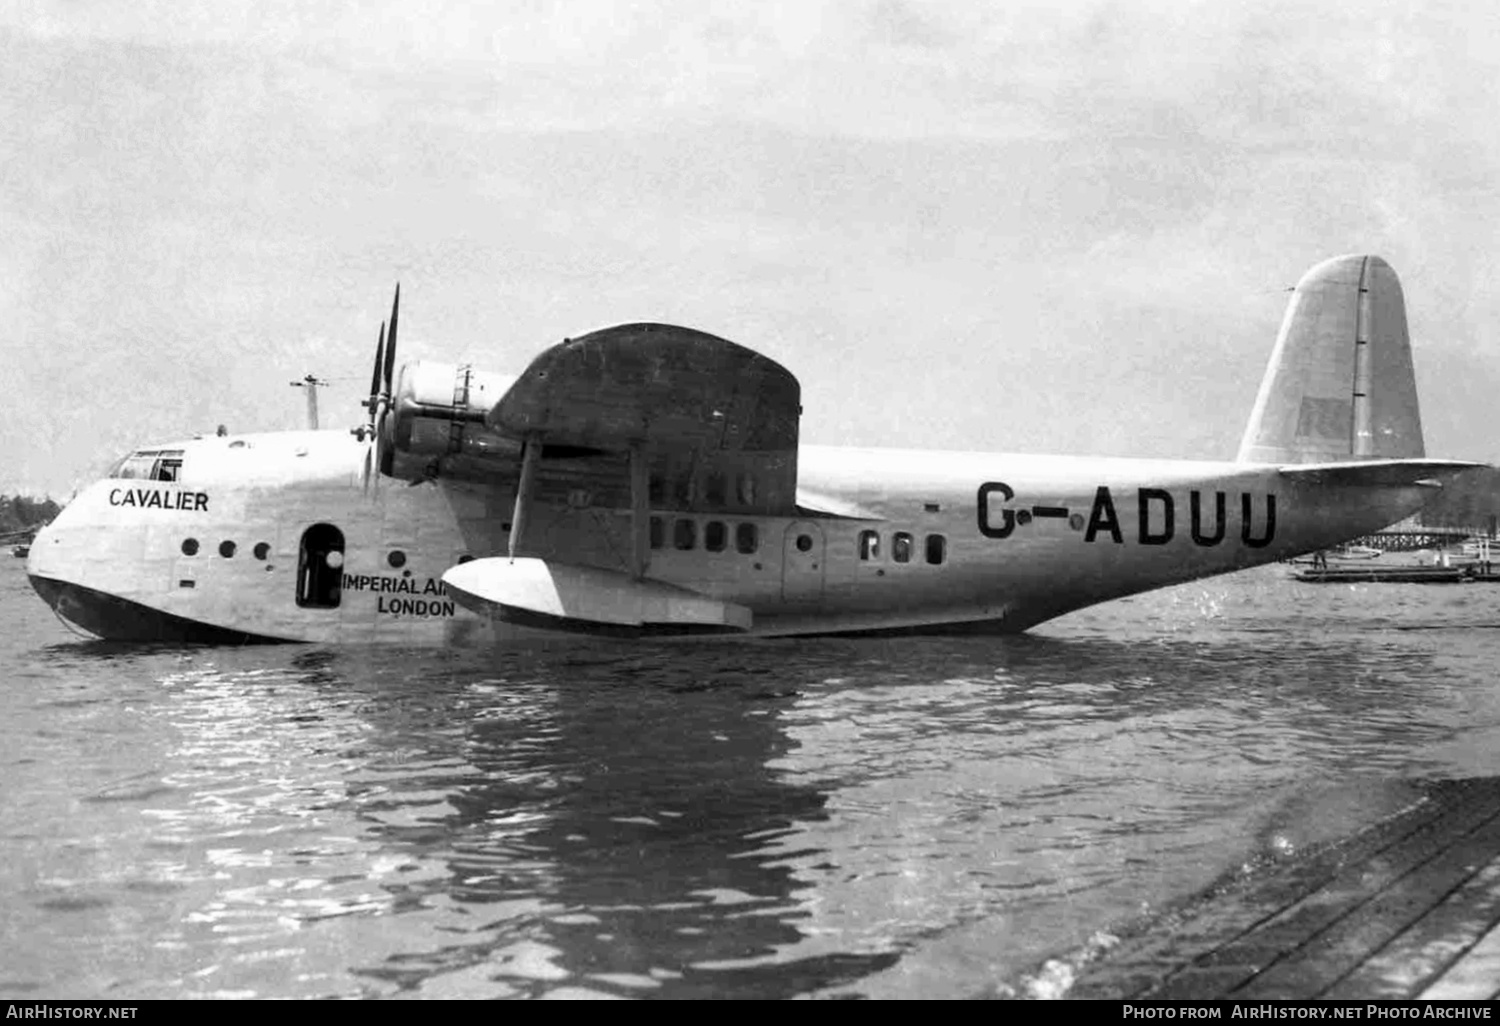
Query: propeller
[
  {"x": 384, "y": 442},
  {"x": 381, "y": 453},
  {"x": 372, "y": 404}
]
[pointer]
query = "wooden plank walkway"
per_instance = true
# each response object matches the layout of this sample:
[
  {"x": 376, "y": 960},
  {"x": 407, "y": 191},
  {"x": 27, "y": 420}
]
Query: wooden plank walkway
[{"x": 1407, "y": 908}]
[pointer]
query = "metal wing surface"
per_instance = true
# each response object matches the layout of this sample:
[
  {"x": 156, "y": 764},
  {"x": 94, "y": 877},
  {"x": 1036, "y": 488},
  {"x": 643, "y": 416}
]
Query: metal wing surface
[{"x": 716, "y": 422}]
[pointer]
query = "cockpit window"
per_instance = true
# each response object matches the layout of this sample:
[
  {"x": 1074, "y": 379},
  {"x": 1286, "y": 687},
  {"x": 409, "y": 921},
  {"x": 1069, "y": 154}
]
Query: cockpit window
[{"x": 150, "y": 465}]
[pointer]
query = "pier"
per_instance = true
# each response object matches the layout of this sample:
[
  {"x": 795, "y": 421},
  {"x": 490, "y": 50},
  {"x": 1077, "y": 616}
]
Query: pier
[
  {"x": 1407, "y": 908},
  {"x": 1472, "y": 564},
  {"x": 1410, "y": 538}
]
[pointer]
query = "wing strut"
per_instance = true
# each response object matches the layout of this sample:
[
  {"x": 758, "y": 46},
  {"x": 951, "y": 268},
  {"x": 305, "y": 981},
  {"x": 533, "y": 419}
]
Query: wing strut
[
  {"x": 640, "y": 511},
  {"x": 523, "y": 491}
]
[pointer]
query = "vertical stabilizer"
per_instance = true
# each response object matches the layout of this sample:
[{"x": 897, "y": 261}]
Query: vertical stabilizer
[{"x": 1340, "y": 384}]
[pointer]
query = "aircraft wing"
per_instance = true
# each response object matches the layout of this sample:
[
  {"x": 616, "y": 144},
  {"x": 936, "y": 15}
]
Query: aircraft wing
[
  {"x": 717, "y": 422},
  {"x": 1379, "y": 473}
]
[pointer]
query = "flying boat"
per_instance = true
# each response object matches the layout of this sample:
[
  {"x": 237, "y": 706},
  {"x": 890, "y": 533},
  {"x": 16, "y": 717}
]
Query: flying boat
[{"x": 648, "y": 480}]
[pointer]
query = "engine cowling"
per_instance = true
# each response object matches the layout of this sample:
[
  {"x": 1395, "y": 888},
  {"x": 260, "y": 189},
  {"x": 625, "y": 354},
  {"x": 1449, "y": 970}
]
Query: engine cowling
[{"x": 438, "y": 411}]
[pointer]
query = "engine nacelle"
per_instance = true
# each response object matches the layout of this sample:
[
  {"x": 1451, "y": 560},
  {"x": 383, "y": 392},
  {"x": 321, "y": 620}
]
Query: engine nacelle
[{"x": 438, "y": 411}]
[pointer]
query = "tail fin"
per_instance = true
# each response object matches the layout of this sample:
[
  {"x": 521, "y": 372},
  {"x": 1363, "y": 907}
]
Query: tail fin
[{"x": 1340, "y": 384}]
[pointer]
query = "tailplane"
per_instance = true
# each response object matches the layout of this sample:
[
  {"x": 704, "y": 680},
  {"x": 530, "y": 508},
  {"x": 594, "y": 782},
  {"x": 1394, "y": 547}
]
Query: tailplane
[{"x": 1340, "y": 384}]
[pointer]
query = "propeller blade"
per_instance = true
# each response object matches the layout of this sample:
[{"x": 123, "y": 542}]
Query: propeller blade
[
  {"x": 387, "y": 459},
  {"x": 390, "y": 349},
  {"x": 375, "y": 375}
]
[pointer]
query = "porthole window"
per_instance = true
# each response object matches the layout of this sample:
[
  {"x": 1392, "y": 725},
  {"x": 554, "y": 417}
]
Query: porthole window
[
  {"x": 715, "y": 536},
  {"x": 901, "y": 547},
  {"x": 684, "y": 533},
  {"x": 397, "y": 559},
  {"x": 804, "y": 543},
  {"x": 226, "y": 549},
  {"x": 746, "y": 538},
  {"x": 190, "y": 546},
  {"x": 937, "y": 548},
  {"x": 869, "y": 545},
  {"x": 261, "y": 550}
]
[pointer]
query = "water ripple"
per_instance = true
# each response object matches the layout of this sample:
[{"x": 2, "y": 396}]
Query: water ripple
[{"x": 896, "y": 817}]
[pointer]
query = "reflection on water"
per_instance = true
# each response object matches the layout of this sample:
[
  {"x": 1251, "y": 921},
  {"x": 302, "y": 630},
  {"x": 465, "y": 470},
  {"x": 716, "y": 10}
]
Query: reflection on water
[
  {"x": 615, "y": 827},
  {"x": 917, "y": 817}
]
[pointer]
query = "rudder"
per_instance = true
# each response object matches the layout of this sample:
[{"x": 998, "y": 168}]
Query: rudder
[{"x": 1340, "y": 384}]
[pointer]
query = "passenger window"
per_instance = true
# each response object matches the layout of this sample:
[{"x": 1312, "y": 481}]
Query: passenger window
[
  {"x": 901, "y": 547},
  {"x": 746, "y": 538},
  {"x": 715, "y": 535},
  {"x": 869, "y": 545},
  {"x": 684, "y": 533},
  {"x": 658, "y": 533},
  {"x": 937, "y": 548},
  {"x": 714, "y": 489}
]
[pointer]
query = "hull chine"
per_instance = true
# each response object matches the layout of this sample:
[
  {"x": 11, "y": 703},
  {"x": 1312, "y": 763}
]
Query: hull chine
[{"x": 116, "y": 619}]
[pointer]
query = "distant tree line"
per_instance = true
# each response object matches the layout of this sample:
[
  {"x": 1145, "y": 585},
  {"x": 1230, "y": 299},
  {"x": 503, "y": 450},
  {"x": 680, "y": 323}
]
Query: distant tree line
[{"x": 22, "y": 513}]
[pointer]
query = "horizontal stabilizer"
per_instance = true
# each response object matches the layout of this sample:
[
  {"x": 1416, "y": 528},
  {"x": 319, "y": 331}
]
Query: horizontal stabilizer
[
  {"x": 1378, "y": 473},
  {"x": 585, "y": 595},
  {"x": 817, "y": 505}
]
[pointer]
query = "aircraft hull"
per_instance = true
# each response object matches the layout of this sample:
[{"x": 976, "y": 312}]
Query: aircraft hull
[{"x": 1022, "y": 539}]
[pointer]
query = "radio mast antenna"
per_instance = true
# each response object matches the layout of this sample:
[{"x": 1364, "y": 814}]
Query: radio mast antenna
[{"x": 311, "y": 384}]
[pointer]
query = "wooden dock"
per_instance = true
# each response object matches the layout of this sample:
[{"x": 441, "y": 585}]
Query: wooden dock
[{"x": 1407, "y": 908}]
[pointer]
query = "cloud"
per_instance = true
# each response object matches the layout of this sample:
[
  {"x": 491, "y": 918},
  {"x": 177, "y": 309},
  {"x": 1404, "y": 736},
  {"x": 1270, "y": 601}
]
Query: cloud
[{"x": 209, "y": 200}]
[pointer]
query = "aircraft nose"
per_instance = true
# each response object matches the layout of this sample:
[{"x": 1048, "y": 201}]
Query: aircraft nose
[
  {"x": 57, "y": 568},
  {"x": 43, "y": 552}
]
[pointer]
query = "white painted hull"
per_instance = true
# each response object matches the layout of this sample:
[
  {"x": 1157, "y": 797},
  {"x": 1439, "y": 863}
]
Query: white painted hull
[{"x": 114, "y": 561}]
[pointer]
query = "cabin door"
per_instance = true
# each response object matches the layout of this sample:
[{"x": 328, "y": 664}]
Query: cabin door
[
  {"x": 320, "y": 567},
  {"x": 802, "y": 562}
]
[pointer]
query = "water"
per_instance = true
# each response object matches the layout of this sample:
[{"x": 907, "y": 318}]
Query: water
[{"x": 887, "y": 818}]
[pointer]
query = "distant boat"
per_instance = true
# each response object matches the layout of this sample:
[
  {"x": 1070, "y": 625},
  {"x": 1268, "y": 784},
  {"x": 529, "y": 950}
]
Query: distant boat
[
  {"x": 20, "y": 551},
  {"x": 1336, "y": 554},
  {"x": 1354, "y": 552},
  {"x": 1387, "y": 574}
]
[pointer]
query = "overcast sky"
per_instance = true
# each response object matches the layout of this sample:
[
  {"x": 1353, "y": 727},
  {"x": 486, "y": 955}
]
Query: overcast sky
[{"x": 1049, "y": 227}]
